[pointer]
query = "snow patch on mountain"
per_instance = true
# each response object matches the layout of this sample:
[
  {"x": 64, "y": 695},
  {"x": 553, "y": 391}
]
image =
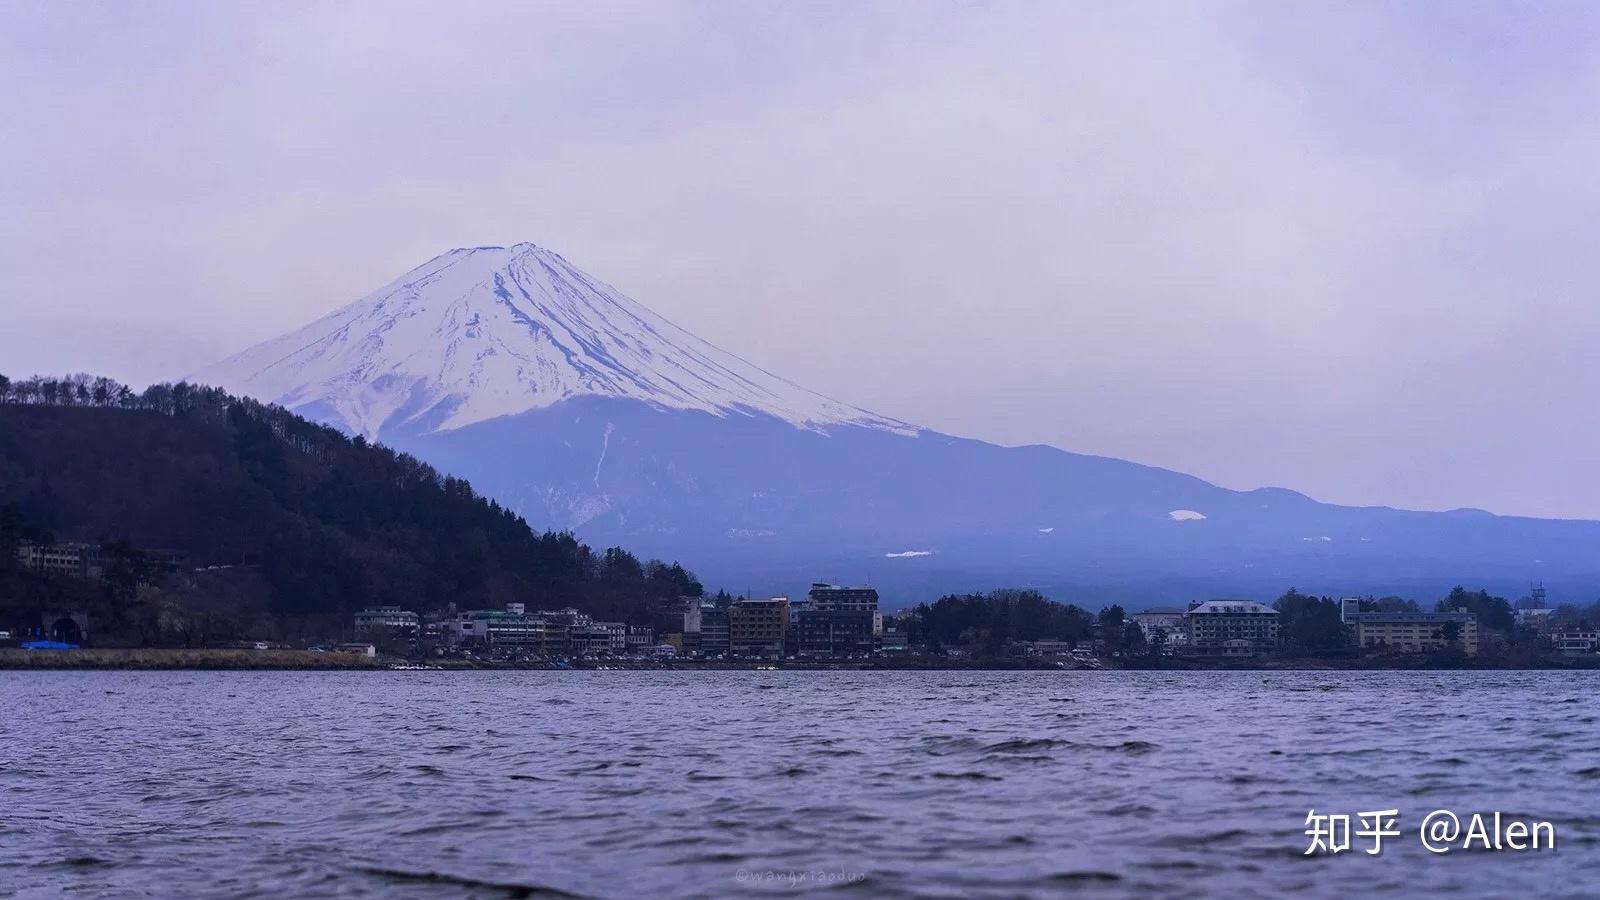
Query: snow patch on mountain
[
  {"x": 908, "y": 554},
  {"x": 1185, "y": 515},
  {"x": 485, "y": 332},
  {"x": 605, "y": 444}
]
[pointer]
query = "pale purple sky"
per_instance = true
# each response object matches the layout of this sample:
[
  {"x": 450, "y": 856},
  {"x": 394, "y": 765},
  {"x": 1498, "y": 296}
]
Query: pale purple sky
[{"x": 1346, "y": 248}]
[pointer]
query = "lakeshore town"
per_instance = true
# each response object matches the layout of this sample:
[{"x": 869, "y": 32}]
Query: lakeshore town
[{"x": 840, "y": 624}]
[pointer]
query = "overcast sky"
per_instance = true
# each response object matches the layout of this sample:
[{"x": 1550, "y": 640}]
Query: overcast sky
[{"x": 1348, "y": 248}]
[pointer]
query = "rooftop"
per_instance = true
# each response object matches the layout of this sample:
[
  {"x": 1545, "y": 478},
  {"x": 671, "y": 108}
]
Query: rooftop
[
  {"x": 1398, "y": 617},
  {"x": 1233, "y": 607}
]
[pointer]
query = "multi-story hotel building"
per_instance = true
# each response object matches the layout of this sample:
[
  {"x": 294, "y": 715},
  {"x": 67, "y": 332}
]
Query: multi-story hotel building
[
  {"x": 838, "y": 598},
  {"x": 1231, "y": 628},
  {"x": 714, "y": 635},
  {"x": 834, "y": 633},
  {"x": 757, "y": 627}
]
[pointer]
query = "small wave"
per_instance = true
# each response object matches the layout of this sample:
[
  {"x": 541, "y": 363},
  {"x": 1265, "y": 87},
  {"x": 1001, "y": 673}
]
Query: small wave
[
  {"x": 1024, "y": 745},
  {"x": 82, "y": 862},
  {"x": 516, "y": 891},
  {"x": 1086, "y": 877},
  {"x": 944, "y": 746},
  {"x": 1135, "y": 809},
  {"x": 720, "y": 856}
]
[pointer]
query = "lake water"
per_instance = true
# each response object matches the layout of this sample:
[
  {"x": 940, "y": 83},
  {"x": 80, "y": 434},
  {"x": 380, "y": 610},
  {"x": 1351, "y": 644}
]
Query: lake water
[{"x": 687, "y": 784}]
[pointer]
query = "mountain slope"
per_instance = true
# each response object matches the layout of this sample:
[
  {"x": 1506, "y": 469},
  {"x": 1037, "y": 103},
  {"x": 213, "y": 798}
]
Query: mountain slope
[
  {"x": 760, "y": 504},
  {"x": 330, "y": 523},
  {"x": 580, "y": 409}
]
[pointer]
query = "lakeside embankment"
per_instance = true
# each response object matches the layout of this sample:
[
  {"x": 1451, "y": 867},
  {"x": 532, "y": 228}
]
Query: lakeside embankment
[
  {"x": 310, "y": 660},
  {"x": 1380, "y": 663}
]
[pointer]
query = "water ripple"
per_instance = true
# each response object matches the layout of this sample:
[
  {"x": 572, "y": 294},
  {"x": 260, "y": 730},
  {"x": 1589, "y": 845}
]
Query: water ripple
[{"x": 709, "y": 784}]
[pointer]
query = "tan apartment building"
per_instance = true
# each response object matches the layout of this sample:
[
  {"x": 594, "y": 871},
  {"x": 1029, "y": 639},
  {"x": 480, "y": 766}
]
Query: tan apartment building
[
  {"x": 1409, "y": 632},
  {"x": 1415, "y": 632},
  {"x": 758, "y": 627}
]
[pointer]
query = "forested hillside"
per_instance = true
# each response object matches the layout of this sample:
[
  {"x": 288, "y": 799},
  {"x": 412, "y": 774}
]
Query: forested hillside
[{"x": 329, "y": 523}]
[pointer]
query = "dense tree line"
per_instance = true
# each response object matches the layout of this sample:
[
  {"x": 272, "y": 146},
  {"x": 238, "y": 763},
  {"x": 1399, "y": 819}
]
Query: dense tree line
[
  {"x": 1586, "y": 617},
  {"x": 1308, "y": 624},
  {"x": 988, "y": 623},
  {"x": 1493, "y": 613},
  {"x": 329, "y": 522}
]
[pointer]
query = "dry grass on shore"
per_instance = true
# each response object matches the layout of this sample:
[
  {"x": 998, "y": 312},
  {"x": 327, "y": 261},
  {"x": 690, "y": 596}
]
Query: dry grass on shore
[{"x": 151, "y": 658}]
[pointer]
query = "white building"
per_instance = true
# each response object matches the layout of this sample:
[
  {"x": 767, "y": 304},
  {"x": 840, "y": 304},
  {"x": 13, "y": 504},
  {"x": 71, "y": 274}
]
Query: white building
[
  {"x": 1537, "y": 619},
  {"x": 1167, "y": 620},
  {"x": 1575, "y": 641},
  {"x": 377, "y": 620},
  {"x": 641, "y": 638},
  {"x": 511, "y": 626},
  {"x": 616, "y": 636}
]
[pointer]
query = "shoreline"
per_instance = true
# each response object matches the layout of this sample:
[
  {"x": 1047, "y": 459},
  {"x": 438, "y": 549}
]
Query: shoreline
[{"x": 228, "y": 659}]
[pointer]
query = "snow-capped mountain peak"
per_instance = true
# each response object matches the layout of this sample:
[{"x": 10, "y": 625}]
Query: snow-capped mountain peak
[{"x": 483, "y": 332}]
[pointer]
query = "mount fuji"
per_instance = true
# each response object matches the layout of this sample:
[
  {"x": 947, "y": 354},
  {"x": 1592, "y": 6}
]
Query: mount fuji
[
  {"x": 485, "y": 332},
  {"x": 582, "y": 409}
]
